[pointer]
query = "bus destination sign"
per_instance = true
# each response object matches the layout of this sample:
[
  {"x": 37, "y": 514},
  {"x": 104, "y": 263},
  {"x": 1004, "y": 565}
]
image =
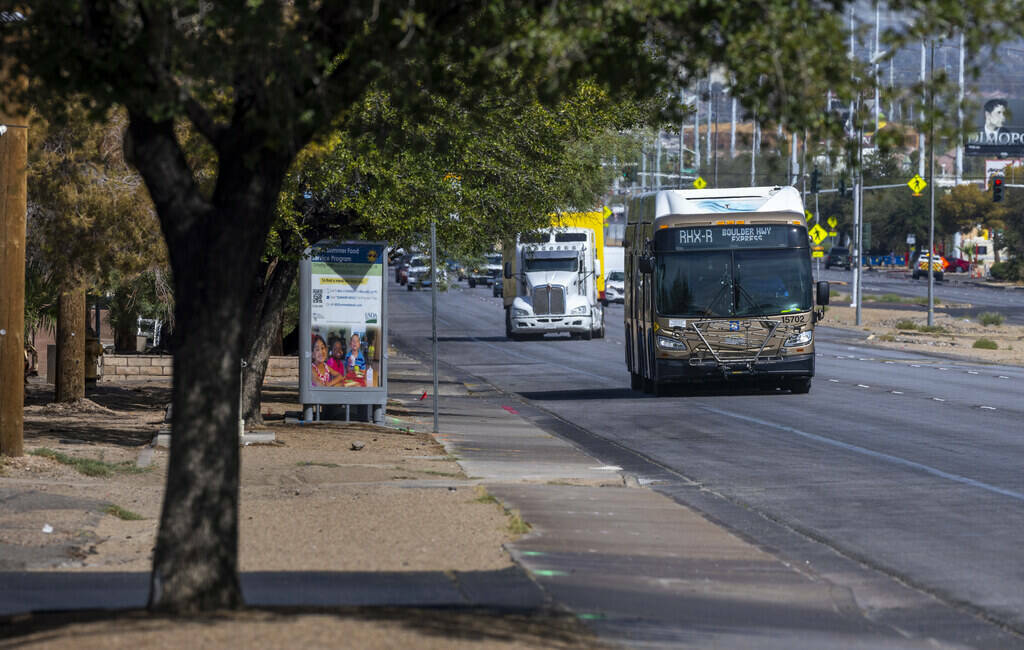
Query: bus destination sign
[{"x": 726, "y": 237}]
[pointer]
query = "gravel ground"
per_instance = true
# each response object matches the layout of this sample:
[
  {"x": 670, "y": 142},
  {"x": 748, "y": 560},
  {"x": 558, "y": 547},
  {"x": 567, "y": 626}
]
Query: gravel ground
[{"x": 309, "y": 502}]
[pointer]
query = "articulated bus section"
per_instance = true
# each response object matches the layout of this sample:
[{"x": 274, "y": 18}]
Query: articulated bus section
[{"x": 719, "y": 287}]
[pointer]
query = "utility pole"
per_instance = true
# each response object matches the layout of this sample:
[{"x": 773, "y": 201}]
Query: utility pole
[
  {"x": 931, "y": 184},
  {"x": 13, "y": 196}
]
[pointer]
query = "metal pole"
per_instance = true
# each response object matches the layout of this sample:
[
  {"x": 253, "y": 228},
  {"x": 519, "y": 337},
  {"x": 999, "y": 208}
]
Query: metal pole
[
  {"x": 716, "y": 139},
  {"x": 920, "y": 132},
  {"x": 696, "y": 129},
  {"x": 732, "y": 131},
  {"x": 755, "y": 131},
  {"x": 960, "y": 115},
  {"x": 657, "y": 161},
  {"x": 433, "y": 308},
  {"x": 858, "y": 273},
  {"x": 931, "y": 185}
]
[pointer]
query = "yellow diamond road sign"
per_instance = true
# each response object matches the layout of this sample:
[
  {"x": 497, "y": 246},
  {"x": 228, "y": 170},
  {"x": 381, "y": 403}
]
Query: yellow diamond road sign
[
  {"x": 807, "y": 213},
  {"x": 832, "y": 222},
  {"x": 917, "y": 184},
  {"x": 817, "y": 234},
  {"x": 606, "y": 212},
  {"x": 700, "y": 183}
]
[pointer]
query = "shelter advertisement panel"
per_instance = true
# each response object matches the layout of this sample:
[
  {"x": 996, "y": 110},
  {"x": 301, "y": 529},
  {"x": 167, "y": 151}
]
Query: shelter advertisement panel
[
  {"x": 998, "y": 130},
  {"x": 346, "y": 304}
]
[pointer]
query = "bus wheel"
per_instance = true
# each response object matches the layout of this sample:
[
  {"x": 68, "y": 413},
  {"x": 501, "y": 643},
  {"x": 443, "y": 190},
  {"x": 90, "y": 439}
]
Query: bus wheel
[
  {"x": 800, "y": 385},
  {"x": 659, "y": 388},
  {"x": 636, "y": 382}
]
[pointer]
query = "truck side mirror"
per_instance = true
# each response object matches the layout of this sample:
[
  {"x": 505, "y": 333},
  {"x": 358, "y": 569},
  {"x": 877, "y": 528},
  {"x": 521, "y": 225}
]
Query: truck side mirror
[
  {"x": 597, "y": 268},
  {"x": 823, "y": 293},
  {"x": 646, "y": 264},
  {"x": 508, "y": 270}
]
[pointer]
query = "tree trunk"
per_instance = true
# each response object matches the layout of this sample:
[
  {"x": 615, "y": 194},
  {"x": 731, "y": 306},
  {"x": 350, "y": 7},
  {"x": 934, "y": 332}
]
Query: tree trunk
[
  {"x": 124, "y": 335},
  {"x": 70, "y": 383},
  {"x": 266, "y": 309},
  {"x": 215, "y": 247}
]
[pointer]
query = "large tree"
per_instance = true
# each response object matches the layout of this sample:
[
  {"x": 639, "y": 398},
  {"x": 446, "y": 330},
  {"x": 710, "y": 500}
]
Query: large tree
[
  {"x": 89, "y": 218},
  {"x": 259, "y": 79}
]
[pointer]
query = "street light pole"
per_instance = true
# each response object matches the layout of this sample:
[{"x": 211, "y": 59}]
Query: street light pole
[
  {"x": 433, "y": 308},
  {"x": 931, "y": 185}
]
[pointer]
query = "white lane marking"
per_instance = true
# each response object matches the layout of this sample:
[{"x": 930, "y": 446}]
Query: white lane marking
[
  {"x": 987, "y": 408},
  {"x": 874, "y": 454},
  {"x": 834, "y": 381},
  {"x": 1003, "y": 377},
  {"x": 938, "y": 399},
  {"x": 863, "y": 386},
  {"x": 897, "y": 392},
  {"x": 914, "y": 365},
  {"x": 972, "y": 372},
  {"x": 943, "y": 368}
]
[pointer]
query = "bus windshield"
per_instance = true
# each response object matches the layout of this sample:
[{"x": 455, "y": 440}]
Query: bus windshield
[
  {"x": 550, "y": 264},
  {"x": 736, "y": 283}
]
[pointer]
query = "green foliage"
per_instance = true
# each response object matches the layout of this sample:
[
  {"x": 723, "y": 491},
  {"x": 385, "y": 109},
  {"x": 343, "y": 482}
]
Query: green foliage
[
  {"x": 1008, "y": 271},
  {"x": 991, "y": 318},
  {"x": 148, "y": 294},
  {"x": 905, "y": 325},
  {"x": 985, "y": 344},
  {"x": 89, "y": 466},
  {"x": 122, "y": 513}
]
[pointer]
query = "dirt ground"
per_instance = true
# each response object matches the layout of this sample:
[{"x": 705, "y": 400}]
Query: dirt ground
[
  {"x": 886, "y": 325},
  {"x": 310, "y": 501}
]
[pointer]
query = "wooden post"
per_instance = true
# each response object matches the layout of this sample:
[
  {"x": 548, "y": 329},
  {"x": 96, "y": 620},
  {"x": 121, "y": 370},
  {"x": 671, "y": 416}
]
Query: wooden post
[{"x": 13, "y": 194}]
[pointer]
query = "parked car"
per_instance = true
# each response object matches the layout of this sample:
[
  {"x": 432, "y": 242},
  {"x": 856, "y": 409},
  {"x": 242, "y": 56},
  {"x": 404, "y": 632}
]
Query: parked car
[
  {"x": 839, "y": 256},
  {"x": 614, "y": 287},
  {"x": 939, "y": 265},
  {"x": 957, "y": 265}
]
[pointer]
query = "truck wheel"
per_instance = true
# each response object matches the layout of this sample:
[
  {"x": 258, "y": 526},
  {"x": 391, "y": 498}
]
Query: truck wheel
[
  {"x": 508, "y": 326},
  {"x": 587, "y": 335}
]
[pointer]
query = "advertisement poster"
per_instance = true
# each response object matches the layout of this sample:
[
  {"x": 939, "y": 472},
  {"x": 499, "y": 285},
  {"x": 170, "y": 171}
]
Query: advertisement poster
[
  {"x": 346, "y": 303},
  {"x": 997, "y": 131}
]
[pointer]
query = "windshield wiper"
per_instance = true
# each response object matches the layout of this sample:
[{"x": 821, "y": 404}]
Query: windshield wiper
[
  {"x": 740, "y": 291},
  {"x": 725, "y": 282}
]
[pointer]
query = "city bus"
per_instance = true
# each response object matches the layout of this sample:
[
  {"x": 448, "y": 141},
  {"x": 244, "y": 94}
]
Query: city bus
[{"x": 718, "y": 287}]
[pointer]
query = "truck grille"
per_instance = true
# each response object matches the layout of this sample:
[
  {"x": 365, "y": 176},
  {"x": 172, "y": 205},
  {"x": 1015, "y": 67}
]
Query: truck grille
[{"x": 549, "y": 299}]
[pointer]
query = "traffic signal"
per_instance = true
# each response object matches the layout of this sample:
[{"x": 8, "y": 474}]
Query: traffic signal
[
  {"x": 997, "y": 189},
  {"x": 842, "y": 186},
  {"x": 815, "y": 176}
]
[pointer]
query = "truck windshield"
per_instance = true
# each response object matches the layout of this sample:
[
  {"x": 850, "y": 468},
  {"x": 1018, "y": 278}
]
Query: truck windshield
[
  {"x": 550, "y": 264},
  {"x": 734, "y": 283}
]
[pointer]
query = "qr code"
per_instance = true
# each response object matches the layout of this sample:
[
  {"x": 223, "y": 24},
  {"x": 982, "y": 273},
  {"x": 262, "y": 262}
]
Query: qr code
[{"x": 318, "y": 296}]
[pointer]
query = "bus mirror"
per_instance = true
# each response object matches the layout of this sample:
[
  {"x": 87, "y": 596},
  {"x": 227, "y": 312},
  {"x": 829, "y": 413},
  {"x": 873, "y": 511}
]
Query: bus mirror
[
  {"x": 646, "y": 264},
  {"x": 823, "y": 292},
  {"x": 508, "y": 270}
]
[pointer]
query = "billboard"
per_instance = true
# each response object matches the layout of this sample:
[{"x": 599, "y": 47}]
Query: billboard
[
  {"x": 342, "y": 355},
  {"x": 996, "y": 132}
]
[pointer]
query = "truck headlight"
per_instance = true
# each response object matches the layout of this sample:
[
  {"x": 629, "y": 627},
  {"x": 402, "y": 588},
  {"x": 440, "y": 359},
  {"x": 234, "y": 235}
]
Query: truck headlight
[
  {"x": 519, "y": 312},
  {"x": 801, "y": 338},
  {"x": 582, "y": 309},
  {"x": 666, "y": 343}
]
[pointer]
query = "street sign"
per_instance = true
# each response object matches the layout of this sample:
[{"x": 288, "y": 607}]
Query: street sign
[
  {"x": 818, "y": 251},
  {"x": 817, "y": 234},
  {"x": 607, "y": 212},
  {"x": 807, "y": 213},
  {"x": 917, "y": 184},
  {"x": 832, "y": 233},
  {"x": 700, "y": 183},
  {"x": 833, "y": 222},
  {"x": 911, "y": 239}
]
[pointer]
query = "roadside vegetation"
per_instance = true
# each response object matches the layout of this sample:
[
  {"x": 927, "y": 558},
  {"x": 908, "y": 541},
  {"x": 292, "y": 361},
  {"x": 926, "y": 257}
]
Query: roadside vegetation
[
  {"x": 90, "y": 466},
  {"x": 122, "y": 513},
  {"x": 991, "y": 318},
  {"x": 910, "y": 325},
  {"x": 985, "y": 344}
]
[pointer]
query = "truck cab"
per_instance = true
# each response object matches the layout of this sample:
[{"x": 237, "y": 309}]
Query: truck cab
[{"x": 551, "y": 283}]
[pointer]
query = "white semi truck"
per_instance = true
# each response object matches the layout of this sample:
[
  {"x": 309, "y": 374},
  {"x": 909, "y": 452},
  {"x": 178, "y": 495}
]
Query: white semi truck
[{"x": 552, "y": 283}]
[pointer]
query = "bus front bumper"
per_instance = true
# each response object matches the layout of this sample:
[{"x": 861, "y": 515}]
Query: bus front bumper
[{"x": 682, "y": 370}]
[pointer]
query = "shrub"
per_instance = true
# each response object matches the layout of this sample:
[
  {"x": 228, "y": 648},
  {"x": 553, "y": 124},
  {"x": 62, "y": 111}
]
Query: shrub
[
  {"x": 986, "y": 344},
  {"x": 932, "y": 329},
  {"x": 906, "y": 325},
  {"x": 991, "y": 318}
]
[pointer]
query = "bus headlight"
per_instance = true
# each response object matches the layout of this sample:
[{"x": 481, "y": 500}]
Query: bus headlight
[
  {"x": 582, "y": 309},
  {"x": 666, "y": 343},
  {"x": 802, "y": 338}
]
